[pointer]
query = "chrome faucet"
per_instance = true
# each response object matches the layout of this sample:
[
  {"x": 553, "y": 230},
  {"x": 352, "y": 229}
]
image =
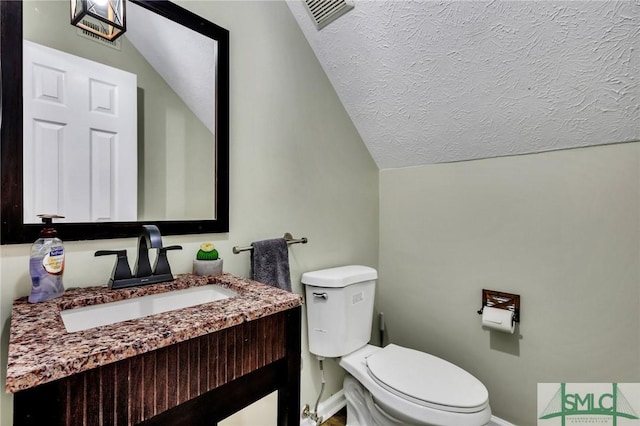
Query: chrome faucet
[{"x": 143, "y": 274}]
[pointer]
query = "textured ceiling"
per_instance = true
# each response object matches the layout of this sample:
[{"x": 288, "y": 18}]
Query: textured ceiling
[{"x": 439, "y": 81}]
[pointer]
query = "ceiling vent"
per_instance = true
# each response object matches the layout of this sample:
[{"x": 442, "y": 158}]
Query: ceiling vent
[{"x": 324, "y": 12}]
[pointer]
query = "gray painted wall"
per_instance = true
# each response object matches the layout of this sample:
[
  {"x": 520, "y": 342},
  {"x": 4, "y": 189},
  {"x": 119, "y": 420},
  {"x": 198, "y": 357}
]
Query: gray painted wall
[{"x": 561, "y": 229}]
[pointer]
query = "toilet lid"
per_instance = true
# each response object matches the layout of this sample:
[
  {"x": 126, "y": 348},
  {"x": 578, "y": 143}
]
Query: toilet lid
[{"x": 427, "y": 380}]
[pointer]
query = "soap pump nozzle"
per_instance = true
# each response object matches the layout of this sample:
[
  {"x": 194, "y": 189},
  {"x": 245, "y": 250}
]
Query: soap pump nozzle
[{"x": 48, "y": 231}]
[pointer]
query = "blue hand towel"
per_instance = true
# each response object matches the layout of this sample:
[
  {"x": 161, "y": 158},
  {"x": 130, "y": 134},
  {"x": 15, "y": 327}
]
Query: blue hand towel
[{"x": 270, "y": 263}]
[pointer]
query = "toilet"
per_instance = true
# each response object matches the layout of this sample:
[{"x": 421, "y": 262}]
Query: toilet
[{"x": 386, "y": 386}]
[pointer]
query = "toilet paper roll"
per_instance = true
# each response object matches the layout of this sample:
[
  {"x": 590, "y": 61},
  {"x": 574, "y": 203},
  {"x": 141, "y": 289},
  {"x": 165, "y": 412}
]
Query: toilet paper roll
[{"x": 498, "y": 319}]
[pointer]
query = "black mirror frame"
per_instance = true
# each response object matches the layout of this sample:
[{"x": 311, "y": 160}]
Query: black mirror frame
[{"x": 12, "y": 229}]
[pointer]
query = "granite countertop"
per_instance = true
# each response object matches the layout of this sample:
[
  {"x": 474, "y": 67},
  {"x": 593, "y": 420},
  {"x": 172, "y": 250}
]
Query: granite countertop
[{"x": 41, "y": 350}]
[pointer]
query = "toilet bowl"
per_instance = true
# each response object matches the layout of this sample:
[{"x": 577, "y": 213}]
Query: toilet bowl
[
  {"x": 401, "y": 386},
  {"x": 386, "y": 386}
]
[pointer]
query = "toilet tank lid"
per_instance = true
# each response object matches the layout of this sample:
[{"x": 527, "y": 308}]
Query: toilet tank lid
[{"x": 339, "y": 277}]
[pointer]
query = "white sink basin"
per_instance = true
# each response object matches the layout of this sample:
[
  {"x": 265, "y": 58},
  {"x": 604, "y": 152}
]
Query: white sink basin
[{"x": 87, "y": 317}]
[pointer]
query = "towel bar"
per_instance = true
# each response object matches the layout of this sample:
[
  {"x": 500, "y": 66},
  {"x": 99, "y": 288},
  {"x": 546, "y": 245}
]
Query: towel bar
[{"x": 290, "y": 240}]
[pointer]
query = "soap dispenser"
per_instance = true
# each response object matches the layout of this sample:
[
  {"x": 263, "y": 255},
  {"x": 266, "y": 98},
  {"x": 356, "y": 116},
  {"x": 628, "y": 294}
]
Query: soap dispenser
[{"x": 46, "y": 264}]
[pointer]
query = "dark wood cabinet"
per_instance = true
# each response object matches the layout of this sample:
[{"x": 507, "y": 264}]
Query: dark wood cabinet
[{"x": 196, "y": 382}]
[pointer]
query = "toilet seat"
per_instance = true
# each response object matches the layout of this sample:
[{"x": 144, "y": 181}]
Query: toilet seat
[
  {"x": 426, "y": 380},
  {"x": 407, "y": 408}
]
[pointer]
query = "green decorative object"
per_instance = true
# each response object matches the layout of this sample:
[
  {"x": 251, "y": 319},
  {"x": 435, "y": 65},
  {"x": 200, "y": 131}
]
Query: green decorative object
[
  {"x": 207, "y": 261},
  {"x": 207, "y": 252}
]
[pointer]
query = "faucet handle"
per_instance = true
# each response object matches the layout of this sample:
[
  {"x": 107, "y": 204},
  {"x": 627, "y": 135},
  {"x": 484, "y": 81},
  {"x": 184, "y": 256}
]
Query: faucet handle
[
  {"x": 121, "y": 270},
  {"x": 162, "y": 262}
]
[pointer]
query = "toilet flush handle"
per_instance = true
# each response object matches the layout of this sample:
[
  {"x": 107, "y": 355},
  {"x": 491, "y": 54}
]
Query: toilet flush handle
[{"x": 324, "y": 296}]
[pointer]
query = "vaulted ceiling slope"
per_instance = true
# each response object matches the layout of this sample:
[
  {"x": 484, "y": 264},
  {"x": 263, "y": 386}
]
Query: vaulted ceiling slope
[
  {"x": 185, "y": 59},
  {"x": 439, "y": 81}
]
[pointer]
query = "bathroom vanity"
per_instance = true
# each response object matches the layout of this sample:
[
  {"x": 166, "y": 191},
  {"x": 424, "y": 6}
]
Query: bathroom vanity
[{"x": 192, "y": 366}]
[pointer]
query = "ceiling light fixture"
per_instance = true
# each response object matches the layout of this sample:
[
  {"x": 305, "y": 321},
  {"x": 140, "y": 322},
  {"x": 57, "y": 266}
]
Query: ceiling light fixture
[{"x": 104, "y": 18}]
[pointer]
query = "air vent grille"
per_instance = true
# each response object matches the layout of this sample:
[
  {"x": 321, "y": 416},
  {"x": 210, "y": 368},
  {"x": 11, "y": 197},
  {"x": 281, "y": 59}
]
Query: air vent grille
[{"x": 325, "y": 11}]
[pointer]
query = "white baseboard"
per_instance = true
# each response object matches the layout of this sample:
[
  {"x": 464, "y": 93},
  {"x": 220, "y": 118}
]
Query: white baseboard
[
  {"x": 337, "y": 401},
  {"x": 327, "y": 408},
  {"x": 496, "y": 421}
]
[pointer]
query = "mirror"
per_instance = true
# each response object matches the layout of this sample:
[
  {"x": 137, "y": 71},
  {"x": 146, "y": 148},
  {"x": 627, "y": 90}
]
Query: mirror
[{"x": 169, "y": 196}]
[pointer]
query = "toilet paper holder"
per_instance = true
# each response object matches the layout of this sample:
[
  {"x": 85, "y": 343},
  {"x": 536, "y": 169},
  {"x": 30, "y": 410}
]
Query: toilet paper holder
[{"x": 501, "y": 300}]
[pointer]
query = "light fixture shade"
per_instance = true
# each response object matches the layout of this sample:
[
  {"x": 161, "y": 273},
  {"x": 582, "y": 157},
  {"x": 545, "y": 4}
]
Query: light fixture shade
[{"x": 104, "y": 18}]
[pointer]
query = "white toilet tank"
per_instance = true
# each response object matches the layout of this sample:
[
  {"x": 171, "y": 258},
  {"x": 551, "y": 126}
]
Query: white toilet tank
[{"x": 339, "y": 309}]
